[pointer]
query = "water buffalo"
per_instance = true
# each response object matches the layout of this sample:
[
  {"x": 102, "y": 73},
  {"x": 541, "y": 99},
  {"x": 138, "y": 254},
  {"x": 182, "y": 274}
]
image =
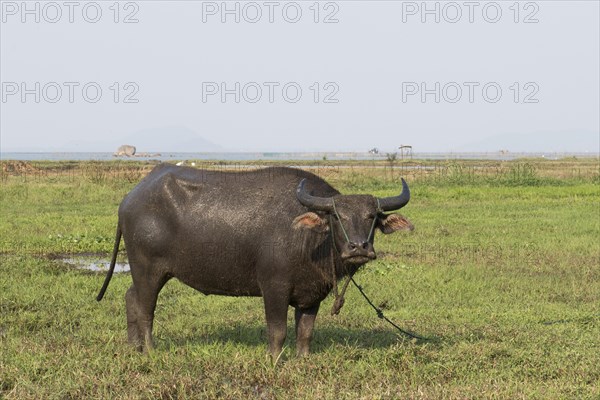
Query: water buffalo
[{"x": 281, "y": 233}]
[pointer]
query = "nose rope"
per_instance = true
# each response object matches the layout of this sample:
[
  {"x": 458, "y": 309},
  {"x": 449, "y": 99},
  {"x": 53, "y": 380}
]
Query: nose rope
[
  {"x": 379, "y": 211},
  {"x": 339, "y": 299},
  {"x": 339, "y": 219},
  {"x": 371, "y": 231}
]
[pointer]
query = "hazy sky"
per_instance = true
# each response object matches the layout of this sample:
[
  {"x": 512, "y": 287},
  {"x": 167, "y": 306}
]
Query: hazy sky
[{"x": 343, "y": 75}]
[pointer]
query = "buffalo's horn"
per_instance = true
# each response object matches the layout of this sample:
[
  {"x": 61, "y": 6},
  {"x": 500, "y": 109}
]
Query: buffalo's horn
[
  {"x": 313, "y": 202},
  {"x": 396, "y": 202}
]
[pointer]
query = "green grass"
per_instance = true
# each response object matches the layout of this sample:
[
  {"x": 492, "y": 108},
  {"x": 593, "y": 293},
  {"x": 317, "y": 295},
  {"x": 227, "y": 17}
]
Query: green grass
[{"x": 502, "y": 271}]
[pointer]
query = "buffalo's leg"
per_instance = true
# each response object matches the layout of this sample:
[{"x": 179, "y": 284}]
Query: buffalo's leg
[
  {"x": 140, "y": 301},
  {"x": 305, "y": 321},
  {"x": 276, "y": 307},
  {"x": 133, "y": 330}
]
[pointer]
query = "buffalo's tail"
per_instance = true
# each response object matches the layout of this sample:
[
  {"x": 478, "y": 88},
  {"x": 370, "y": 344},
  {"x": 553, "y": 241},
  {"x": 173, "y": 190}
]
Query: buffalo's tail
[{"x": 113, "y": 261}]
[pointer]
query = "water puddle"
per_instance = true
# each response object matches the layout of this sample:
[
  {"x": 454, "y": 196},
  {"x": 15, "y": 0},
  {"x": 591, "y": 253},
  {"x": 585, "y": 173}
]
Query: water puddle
[{"x": 94, "y": 263}]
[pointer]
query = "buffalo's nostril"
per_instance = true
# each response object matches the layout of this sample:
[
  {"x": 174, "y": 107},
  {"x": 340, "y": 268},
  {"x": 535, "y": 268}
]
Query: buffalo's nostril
[
  {"x": 365, "y": 245},
  {"x": 352, "y": 246}
]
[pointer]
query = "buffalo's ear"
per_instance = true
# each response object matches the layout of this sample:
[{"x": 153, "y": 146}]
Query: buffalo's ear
[
  {"x": 394, "y": 222},
  {"x": 310, "y": 220}
]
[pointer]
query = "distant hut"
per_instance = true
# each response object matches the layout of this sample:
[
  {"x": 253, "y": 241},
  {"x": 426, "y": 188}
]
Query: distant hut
[{"x": 406, "y": 151}]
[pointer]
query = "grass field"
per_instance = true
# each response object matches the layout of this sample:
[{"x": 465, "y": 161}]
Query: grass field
[{"x": 502, "y": 272}]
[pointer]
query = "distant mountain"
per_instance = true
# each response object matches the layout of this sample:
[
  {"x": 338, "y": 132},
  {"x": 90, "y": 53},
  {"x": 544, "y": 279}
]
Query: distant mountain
[
  {"x": 154, "y": 140},
  {"x": 169, "y": 139},
  {"x": 178, "y": 139},
  {"x": 542, "y": 141}
]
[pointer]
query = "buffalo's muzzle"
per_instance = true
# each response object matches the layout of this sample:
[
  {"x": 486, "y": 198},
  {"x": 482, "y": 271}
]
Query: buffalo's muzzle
[{"x": 358, "y": 252}]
